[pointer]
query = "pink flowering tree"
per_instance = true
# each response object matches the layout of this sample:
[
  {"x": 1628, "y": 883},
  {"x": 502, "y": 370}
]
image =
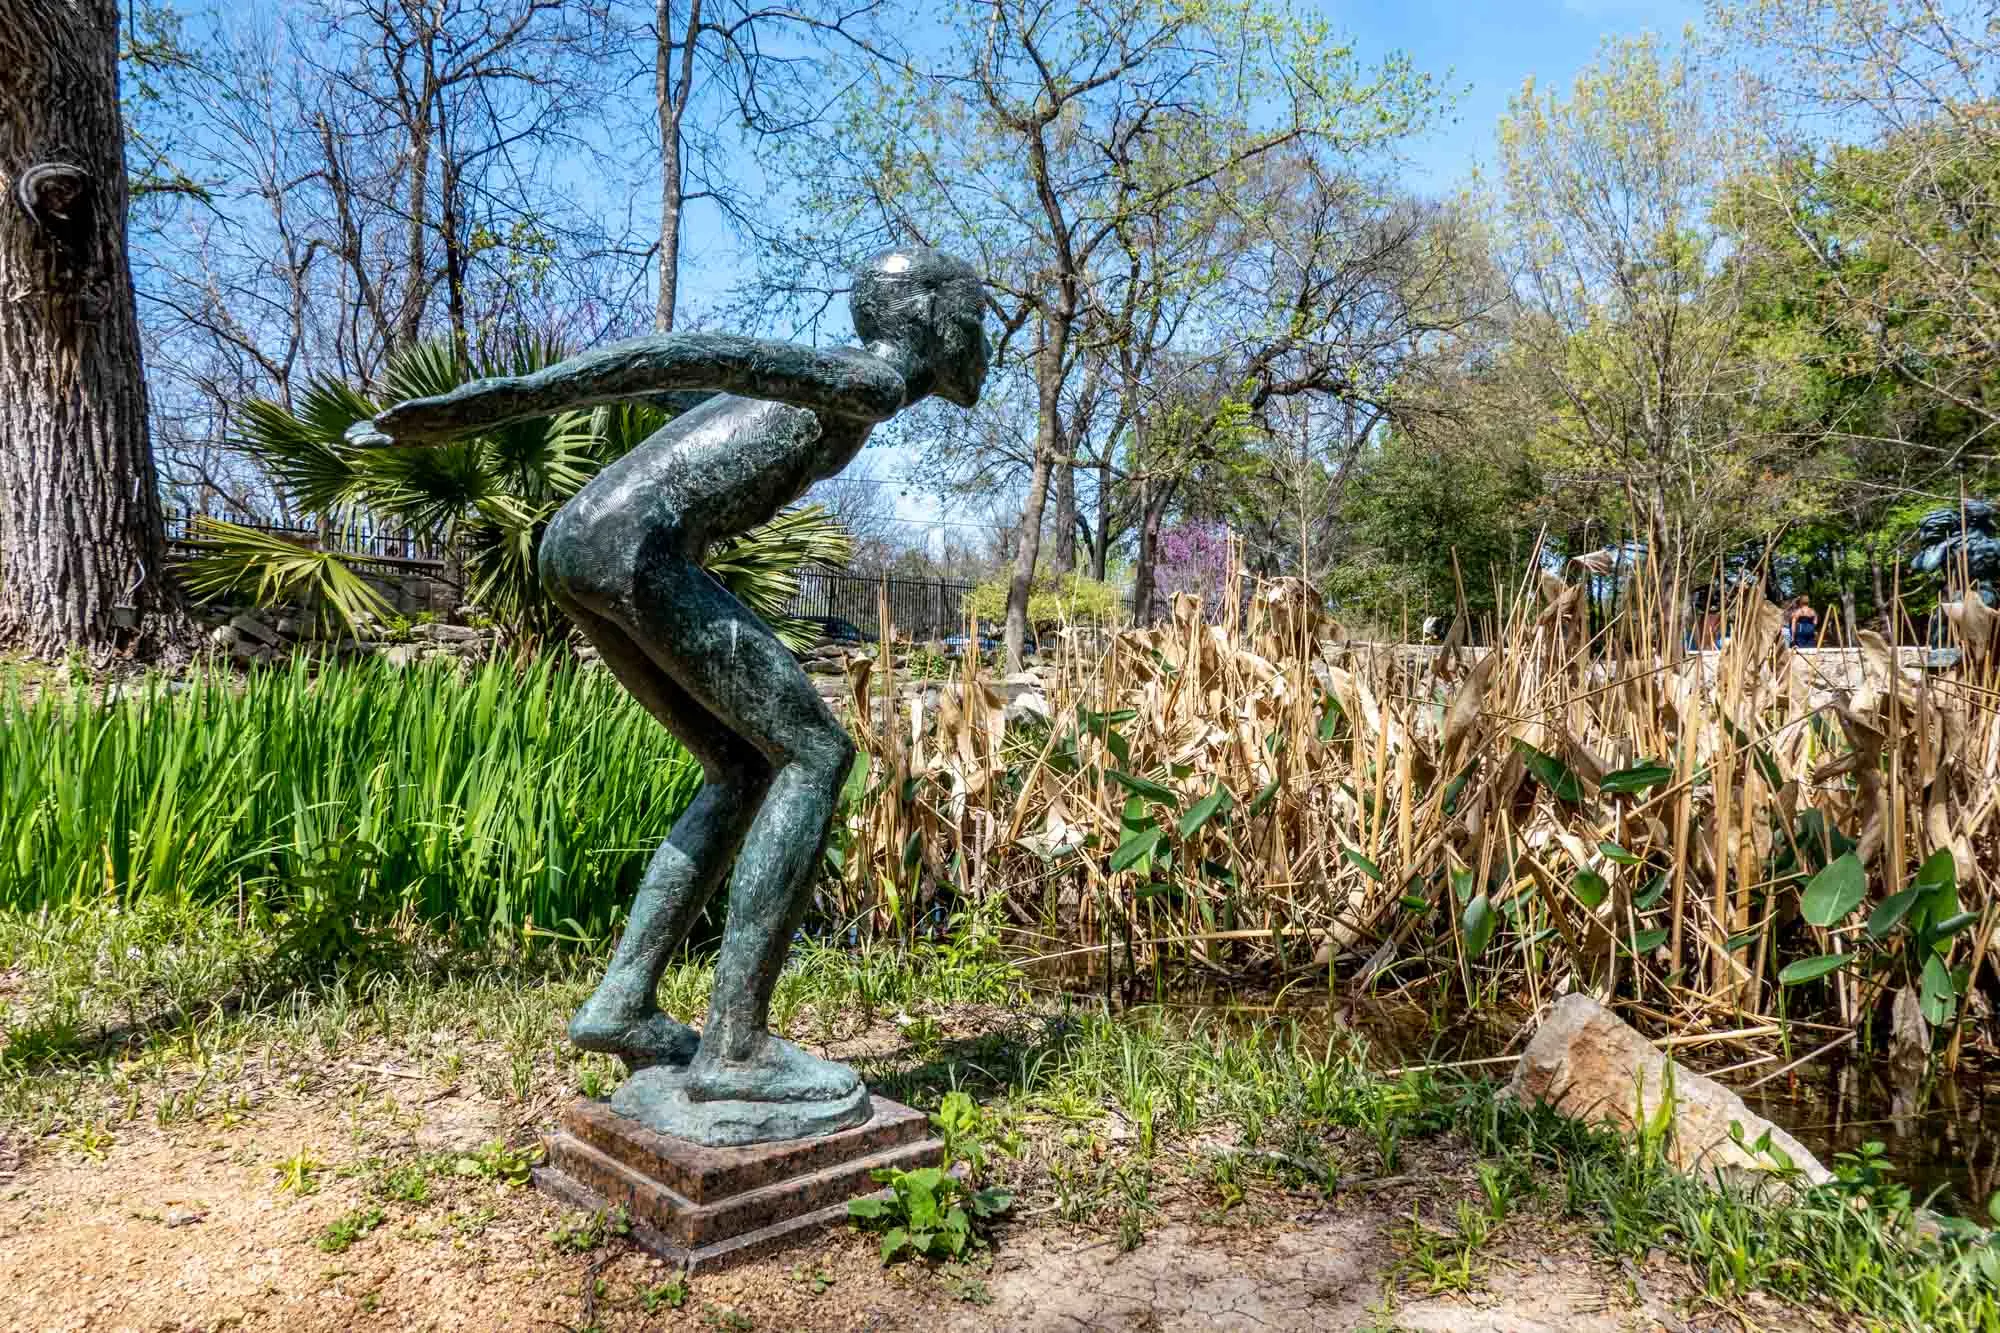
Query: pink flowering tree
[{"x": 1194, "y": 557}]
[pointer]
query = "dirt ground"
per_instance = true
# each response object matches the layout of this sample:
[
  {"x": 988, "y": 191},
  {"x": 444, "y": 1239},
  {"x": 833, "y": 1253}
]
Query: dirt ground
[{"x": 196, "y": 1229}]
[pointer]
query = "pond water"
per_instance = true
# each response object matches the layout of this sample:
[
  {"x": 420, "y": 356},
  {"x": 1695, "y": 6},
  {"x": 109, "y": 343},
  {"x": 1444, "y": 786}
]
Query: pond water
[{"x": 1942, "y": 1135}]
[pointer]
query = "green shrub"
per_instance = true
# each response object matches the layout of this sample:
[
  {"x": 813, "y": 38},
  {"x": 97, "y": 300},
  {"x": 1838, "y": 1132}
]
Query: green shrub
[
  {"x": 1052, "y": 600},
  {"x": 929, "y": 1212}
]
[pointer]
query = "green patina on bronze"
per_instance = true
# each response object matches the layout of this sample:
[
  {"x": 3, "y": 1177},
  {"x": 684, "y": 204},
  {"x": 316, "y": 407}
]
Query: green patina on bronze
[{"x": 621, "y": 557}]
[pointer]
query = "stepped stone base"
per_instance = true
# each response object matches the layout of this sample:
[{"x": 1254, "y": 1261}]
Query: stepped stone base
[{"x": 705, "y": 1208}]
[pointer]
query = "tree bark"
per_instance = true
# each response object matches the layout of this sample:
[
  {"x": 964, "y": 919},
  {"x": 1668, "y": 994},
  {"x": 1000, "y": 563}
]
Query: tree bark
[
  {"x": 1100, "y": 538},
  {"x": 1154, "y": 496},
  {"x": 670, "y": 99},
  {"x": 1048, "y": 392},
  {"x": 1064, "y": 556},
  {"x": 416, "y": 291},
  {"x": 84, "y": 533}
]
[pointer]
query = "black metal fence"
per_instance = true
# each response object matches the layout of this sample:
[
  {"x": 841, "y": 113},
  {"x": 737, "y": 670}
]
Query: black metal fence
[
  {"x": 918, "y": 608},
  {"x": 357, "y": 539}
]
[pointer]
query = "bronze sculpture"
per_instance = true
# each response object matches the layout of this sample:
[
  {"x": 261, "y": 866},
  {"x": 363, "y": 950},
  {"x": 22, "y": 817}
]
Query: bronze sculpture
[{"x": 621, "y": 557}]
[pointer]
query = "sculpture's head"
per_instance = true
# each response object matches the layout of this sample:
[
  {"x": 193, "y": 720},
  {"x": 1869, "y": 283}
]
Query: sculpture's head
[{"x": 930, "y": 307}]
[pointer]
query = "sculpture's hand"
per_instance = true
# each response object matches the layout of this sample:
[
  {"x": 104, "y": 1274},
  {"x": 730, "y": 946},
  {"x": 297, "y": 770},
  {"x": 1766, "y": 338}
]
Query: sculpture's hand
[
  {"x": 421, "y": 420},
  {"x": 367, "y": 435}
]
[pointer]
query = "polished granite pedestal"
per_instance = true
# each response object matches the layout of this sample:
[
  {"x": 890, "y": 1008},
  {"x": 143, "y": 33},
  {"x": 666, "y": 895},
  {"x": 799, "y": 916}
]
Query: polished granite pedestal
[{"x": 703, "y": 1207}]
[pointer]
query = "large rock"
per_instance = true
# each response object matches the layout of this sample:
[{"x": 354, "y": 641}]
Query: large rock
[
  {"x": 440, "y": 632},
  {"x": 1587, "y": 1063},
  {"x": 1028, "y": 706},
  {"x": 251, "y": 627},
  {"x": 1019, "y": 683}
]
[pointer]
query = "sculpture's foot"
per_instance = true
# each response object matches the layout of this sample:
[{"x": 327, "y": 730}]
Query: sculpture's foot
[
  {"x": 776, "y": 1071},
  {"x": 661, "y": 1100},
  {"x": 641, "y": 1040}
]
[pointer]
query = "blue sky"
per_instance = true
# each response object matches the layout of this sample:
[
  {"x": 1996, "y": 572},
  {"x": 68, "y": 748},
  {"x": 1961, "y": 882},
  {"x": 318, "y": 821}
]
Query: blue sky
[{"x": 1486, "y": 49}]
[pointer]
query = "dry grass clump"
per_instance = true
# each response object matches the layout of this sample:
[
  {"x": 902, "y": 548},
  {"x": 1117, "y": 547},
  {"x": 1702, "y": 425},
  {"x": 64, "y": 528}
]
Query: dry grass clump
[{"x": 1713, "y": 839}]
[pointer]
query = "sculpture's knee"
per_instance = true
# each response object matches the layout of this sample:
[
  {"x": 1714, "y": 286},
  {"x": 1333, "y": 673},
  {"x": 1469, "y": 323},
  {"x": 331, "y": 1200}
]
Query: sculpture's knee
[
  {"x": 827, "y": 752},
  {"x": 586, "y": 561},
  {"x": 740, "y": 784}
]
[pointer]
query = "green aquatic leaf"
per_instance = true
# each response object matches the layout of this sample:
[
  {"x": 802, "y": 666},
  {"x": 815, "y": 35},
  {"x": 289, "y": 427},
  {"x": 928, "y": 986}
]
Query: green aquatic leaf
[
  {"x": 1810, "y": 969},
  {"x": 1835, "y": 892},
  {"x": 1478, "y": 923}
]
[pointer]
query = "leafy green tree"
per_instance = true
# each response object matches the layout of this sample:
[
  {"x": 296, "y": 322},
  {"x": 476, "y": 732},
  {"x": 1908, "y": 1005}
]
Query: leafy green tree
[
  {"x": 1629, "y": 315},
  {"x": 1423, "y": 517},
  {"x": 1041, "y": 133},
  {"x": 1879, "y": 184},
  {"x": 1057, "y": 599},
  {"x": 1883, "y": 407}
]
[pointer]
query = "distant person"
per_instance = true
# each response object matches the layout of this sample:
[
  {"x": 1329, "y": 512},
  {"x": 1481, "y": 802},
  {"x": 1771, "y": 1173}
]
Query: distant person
[{"x": 1801, "y": 624}]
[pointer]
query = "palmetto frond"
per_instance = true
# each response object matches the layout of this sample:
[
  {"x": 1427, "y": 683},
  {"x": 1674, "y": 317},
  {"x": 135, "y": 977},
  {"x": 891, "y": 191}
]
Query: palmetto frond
[
  {"x": 424, "y": 370},
  {"x": 761, "y": 567},
  {"x": 428, "y": 489},
  {"x": 500, "y": 542},
  {"x": 267, "y": 569},
  {"x": 303, "y": 447}
]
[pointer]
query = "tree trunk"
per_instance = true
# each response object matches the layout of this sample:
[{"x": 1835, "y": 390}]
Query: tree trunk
[
  {"x": 1048, "y": 394},
  {"x": 1153, "y": 499},
  {"x": 1064, "y": 554},
  {"x": 1883, "y": 611},
  {"x": 416, "y": 291},
  {"x": 84, "y": 532},
  {"x": 670, "y": 101},
  {"x": 454, "y": 252},
  {"x": 1100, "y": 539}
]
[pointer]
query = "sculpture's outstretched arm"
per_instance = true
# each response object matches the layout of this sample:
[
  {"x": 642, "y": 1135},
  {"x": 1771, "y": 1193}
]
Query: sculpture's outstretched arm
[{"x": 845, "y": 382}]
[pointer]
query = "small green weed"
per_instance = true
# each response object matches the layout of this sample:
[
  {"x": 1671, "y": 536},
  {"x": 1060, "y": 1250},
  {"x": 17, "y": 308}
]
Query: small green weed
[
  {"x": 929, "y": 1213},
  {"x": 582, "y": 1232},
  {"x": 964, "y": 1283},
  {"x": 298, "y": 1174},
  {"x": 970, "y": 1133},
  {"x": 497, "y": 1161},
  {"x": 1442, "y": 1261},
  {"x": 669, "y": 1295},
  {"x": 89, "y": 1140},
  {"x": 408, "y": 1183},
  {"x": 349, "y": 1228}
]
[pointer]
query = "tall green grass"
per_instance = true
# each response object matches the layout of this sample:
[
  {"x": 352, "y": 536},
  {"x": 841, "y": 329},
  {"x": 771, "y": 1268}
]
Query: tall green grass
[{"x": 335, "y": 795}]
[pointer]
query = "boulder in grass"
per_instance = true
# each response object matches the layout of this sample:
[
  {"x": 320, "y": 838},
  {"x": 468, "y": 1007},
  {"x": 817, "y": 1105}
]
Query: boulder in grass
[{"x": 1589, "y": 1064}]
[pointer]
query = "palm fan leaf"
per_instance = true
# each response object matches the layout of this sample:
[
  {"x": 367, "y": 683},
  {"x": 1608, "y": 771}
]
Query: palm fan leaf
[
  {"x": 761, "y": 566},
  {"x": 430, "y": 488},
  {"x": 423, "y": 370},
  {"x": 304, "y": 448},
  {"x": 500, "y": 545},
  {"x": 267, "y": 570}
]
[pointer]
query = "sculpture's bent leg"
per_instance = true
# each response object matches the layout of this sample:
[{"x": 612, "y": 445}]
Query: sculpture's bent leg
[
  {"x": 738, "y": 670},
  {"x": 622, "y": 1017}
]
